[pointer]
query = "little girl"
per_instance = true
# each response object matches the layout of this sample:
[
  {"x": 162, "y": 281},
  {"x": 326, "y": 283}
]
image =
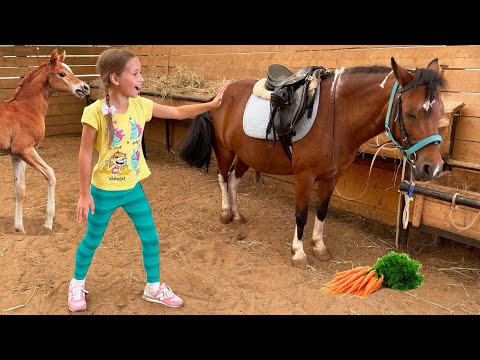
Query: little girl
[{"x": 115, "y": 179}]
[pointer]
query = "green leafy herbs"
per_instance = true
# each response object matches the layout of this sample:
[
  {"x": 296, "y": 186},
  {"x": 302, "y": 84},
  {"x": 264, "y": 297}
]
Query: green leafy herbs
[{"x": 399, "y": 271}]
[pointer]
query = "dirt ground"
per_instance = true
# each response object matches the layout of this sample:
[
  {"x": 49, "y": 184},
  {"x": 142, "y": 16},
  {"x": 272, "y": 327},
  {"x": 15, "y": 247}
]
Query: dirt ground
[{"x": 216, "y": 268}]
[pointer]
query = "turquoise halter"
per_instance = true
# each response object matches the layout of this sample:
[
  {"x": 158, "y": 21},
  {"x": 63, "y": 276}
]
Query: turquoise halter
[{"x": 406, "y": 152}]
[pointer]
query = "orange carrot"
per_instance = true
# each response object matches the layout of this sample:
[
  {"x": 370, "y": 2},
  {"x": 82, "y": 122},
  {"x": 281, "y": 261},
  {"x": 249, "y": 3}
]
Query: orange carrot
[
  {"x": 347, "y": 284},
  {"x": 375, "y": 287},
  {"x": 355, "y": 285},
  {"x": 370, "y": 284},
  {"x": 348, "y": 272},
  {"x": 365, "y": 280},
  {"x": 360, "y": 291}
]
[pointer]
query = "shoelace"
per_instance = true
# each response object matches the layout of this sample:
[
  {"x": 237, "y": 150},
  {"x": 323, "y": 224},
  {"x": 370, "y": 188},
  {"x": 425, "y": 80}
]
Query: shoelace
[
  {"x": 77, "y": 293},
  {"x": 166, "y": 292}
]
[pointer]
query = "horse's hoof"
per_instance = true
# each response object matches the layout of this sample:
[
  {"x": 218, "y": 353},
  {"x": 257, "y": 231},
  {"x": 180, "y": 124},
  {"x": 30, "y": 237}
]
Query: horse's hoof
[
  {"x": 240, "y": 219},
  {"x": 225, "y": 217},
  {"x": 323, "y": 255},
  {"x": 300, "y": 261},
  {"x": 47, "y": 228},
  {"x": 20, "y": 229}
]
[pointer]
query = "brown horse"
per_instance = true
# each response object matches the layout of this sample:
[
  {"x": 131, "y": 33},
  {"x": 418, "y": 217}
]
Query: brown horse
[
  {"x": 22, "y": 126},
  {"x": 355, "y": 105}
]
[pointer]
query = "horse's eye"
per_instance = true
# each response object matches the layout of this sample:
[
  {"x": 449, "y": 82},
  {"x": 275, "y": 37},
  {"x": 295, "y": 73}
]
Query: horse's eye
[{"x": 62, "y": 74}]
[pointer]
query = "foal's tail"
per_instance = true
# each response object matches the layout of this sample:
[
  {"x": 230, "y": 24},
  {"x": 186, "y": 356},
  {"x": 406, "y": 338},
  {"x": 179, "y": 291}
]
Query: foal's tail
[{"x": 196, "y": 146}]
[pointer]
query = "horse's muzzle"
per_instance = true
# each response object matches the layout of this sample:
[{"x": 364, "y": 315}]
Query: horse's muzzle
[
  {"x": 83, "y": 90},
  {"x": 428, "y": 171}
]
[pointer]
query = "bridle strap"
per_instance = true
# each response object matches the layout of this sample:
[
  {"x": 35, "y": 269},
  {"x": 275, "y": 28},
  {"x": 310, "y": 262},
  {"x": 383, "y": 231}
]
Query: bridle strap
[{"x": 409, "y": 149}]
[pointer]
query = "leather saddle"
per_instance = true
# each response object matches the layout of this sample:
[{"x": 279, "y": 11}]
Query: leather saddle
[{"x": 289, "y": 99}]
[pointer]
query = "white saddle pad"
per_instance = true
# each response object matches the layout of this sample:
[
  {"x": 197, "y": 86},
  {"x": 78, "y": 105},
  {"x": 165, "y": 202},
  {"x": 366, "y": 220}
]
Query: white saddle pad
[{"x": 257, "y": 114}]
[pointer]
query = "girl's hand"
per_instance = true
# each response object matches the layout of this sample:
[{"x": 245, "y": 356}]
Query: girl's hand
[
  {"x": 84, "y": 204},
  {"x": 217, "y": 101}
]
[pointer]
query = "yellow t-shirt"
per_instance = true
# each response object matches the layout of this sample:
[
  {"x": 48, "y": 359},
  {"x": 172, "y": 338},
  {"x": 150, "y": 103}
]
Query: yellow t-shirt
[{"x": 121, "y": 164}]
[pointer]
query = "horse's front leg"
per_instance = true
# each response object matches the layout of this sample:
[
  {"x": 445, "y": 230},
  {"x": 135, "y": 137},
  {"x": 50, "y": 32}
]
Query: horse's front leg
[
  {"x": 325, "y": 189},
  {"x": 19, "y": 175},
  {"x": 303, "y": 187},
  {"x": 31, "y": 157}
]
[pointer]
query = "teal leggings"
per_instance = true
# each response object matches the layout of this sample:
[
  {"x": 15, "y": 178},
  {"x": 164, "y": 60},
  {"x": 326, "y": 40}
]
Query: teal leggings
[{"x": 135, "y": 203}]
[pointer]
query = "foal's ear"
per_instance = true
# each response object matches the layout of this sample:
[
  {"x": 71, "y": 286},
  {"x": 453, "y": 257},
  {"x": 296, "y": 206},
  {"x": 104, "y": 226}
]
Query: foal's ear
[
  {"x": 62, "y": 56},
  {"x": 402, "y": 75},
  {"x": 53, "y": 57},
  {"x": 434, "y": 66}
]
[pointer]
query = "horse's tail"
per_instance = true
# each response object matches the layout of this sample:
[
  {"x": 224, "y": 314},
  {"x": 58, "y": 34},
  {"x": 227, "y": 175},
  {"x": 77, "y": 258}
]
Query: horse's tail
[{"x": 196, "y": 146}]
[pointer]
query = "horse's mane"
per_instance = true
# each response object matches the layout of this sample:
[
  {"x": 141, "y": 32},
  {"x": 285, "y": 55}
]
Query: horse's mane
[
  {"x": 423, "y": 76},
  {"x": 27, "y": 78}
]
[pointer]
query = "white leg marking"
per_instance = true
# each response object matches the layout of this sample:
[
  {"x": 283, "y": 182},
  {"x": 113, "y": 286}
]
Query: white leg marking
[
  {"x": 19, "y": 175},
  {"x": 224, "y": 190},
  {"x": 297, "y": 249},
  {"x": 52, "y": 181},
  {"x": 233, "y": 183},
  {"x": 317, "y": 237}
]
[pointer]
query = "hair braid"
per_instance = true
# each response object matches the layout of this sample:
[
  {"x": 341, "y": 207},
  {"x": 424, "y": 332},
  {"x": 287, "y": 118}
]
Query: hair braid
[{"x": 109, "y": 115}]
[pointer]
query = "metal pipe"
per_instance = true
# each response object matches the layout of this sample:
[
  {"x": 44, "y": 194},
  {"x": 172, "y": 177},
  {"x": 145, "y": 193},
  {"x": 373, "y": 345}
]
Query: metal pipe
[{"x": 405, "y": 185}]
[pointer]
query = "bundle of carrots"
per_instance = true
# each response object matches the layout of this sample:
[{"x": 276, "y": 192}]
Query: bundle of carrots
[{"x": 360, "y": 281}]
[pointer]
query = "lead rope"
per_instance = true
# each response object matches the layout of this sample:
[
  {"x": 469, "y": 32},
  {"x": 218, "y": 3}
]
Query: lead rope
[
  {"x": 408, "y": 196},
  {"x": 451, "y": 215},
  {"x": 368, "y": 179}
]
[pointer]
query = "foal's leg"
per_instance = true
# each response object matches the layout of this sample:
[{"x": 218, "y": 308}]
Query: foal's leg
[
  {"x": 325, "y": 189},
  {"x": 31, "y": 157},
  {"x": 19, "y": 175},
  {"x": 225, "y": 159},
  {"x": 303, "y": 187},
  {"x": 234, "y": 178}
]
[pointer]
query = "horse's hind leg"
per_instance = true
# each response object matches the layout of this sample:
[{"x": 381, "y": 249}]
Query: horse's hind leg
[
  {"x": 234, "y": 178},
  {"x": 325, "y": 189},
  {"x": 303, "y": 187},
  {"x": 225, "y": 160},
  {"x": 31, "y": 157},
  {"x": 19, "y": 175}
]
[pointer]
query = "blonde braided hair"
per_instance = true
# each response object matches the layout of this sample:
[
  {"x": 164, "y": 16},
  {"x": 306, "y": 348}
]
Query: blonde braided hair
[{"x": 111, "y": 61}]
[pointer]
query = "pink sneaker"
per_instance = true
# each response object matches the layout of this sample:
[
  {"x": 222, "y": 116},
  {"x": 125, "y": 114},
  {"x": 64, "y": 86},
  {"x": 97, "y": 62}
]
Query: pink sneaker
[
  {"x": 164, "y": 296},
  {"x": 76, "y": 298}
]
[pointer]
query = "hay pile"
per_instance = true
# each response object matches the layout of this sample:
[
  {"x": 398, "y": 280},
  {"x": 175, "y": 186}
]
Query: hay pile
[{"x": 181, "y": 81}]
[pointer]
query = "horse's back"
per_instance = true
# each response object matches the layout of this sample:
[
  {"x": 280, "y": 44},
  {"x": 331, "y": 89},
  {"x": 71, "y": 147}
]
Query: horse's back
[{"x": 227, "y": 122}]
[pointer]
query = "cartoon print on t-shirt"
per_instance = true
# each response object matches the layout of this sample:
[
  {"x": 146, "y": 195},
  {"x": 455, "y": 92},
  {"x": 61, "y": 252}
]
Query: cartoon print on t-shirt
[
  {"x": 116, "y": 165},
  {"x": 135, "y": 158},
  {"x": 118, "y": 135},
  {"x": 136, "y": 130}
]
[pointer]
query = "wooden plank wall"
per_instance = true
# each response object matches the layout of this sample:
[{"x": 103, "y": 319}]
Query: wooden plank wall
[
  {"x": 64, "y": 110},
  {"x": 461, "y": 68}
]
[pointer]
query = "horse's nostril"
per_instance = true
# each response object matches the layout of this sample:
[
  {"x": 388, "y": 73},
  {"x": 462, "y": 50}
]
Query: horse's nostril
[
  {"x": 427, "y": 171},
  {"x": 86, "y": 87}
]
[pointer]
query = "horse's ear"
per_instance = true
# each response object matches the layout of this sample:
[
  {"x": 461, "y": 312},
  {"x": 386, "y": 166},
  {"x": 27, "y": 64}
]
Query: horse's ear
[
  {"x": 53, "y": 57},
  {"x": 434, "y": 66},
  {"x": 402, "y": 75},
  {"x": 61, "y": 57}
]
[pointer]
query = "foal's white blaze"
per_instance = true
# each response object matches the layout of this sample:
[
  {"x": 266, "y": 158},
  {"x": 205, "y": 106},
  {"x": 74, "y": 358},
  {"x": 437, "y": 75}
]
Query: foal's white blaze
[
  {"x": 233, "y": 183},
  {"x": 317, "y": 237},
  {"x": 428, "y": 104},
  {"x": 224, "y": 190},
  {"x": 382, "y": 85},
  {"x": 67, "y": 67}
]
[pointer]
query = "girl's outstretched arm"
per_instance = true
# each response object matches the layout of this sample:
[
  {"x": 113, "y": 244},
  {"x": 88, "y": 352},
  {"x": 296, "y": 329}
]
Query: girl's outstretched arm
[{"x": 187, "y": 111}]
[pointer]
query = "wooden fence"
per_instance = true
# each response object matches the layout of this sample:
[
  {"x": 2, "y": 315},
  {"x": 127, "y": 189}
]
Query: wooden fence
[{"x": 460, "y": 66}]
